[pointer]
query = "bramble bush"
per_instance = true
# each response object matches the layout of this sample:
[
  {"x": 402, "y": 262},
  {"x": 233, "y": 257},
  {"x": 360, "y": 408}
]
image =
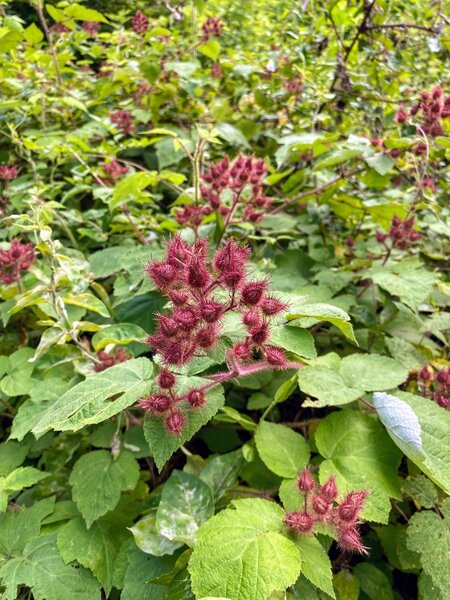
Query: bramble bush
[{"x": 224, "y": 292}]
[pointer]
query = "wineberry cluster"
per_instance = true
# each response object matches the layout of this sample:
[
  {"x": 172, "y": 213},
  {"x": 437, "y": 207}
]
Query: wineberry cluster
[
  {"x": 401, "y": 234},
  {"x": 114, "y": 170},
  {"x": 427, "y": 182},
  {"x": 91, "y": 27},
  {"x": 123, "y": 120},
  {"x": 243, "y": 178},
  {"x": 165, "y": 402},
  {"x": 433, "y": 106},
  {"x": 211, "y": 28},
  {"x": 435, "y": 385},
  {"x": 139, "y": 22},
  {"x": 18, "y": 258},
  {"x": 109, "y": 360},
  {"x": 193, "y": 283},
  {"x": 8, "y": 173},
  {"x": 201, "y": 292},
  {"x": 320, "y": 508}
]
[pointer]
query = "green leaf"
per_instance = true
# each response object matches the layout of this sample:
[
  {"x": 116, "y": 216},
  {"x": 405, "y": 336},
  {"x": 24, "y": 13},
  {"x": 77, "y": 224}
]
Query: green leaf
[
  {"x": 132, "y": 187},
  {"x": 142, "y": 568},
  {"x": 221, "y": 472},
  {"x": 97, "y": 481},
  {"x": 91, "y": 401},
  {"x": 359, "y": 452},
  {"x": 429, "y": 535},
  {"x": 372, "y": 372},
  {"x": 304, "y": 314},
  {"x": 407, "y": 280},
  {"x": 17, "y": 480},
  {"x": 316, "y": 565},
  {"x": 373, "y": 582},
  {"x": 327, "y": 385},
  {"x": 401, "y": 423},
  {"x": 186, "y": 503},
  {"x": 122, "y": 333},
  {"x": 19, "y": 528},
  {"x": 282, "y": 450},
  {"x": 149, "y": 540},
  {"x": 162, "y": 443},
  {"x": 211, "y": 49},
  {"x": 381, "y": 163},
  {"x": 87, "y": 301},
  {"x": 33, "y": 34},
  {"x": 294, "y": 339},
  {"x": 12, "y": 455},
  {"x": 252, "y": 562},
  {"x": 95, "y": 548},
  {"x": 81, "y": 13},
  {"x": 336, "y": 157},
  {"x": 17, "y": 381},
  {"x": 41, "y": 568},
  {"x": 232, "y": 135},
  {"x": 346, "y": 586},
  {"x": 435, "y": 433}
]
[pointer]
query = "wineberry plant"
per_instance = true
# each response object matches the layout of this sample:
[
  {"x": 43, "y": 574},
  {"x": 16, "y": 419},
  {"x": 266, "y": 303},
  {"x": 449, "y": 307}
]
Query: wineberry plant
[{"x": 224, "y": 297}]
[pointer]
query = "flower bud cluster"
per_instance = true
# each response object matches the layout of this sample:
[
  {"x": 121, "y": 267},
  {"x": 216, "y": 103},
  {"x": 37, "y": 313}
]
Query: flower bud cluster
[
  {"x": 123, "y": 120},
  {"x": 211, "y": 28},
  {"x": 243, "y": 178},
  {"x": 433, "y": 106},
  {"x": 91, "y": 27},
  {"x": 8, "y": 173},
  {"x": 139, "y": 22},
  {"x": 401, "y": 233},
  {"x": 427, "y": 182},
  {"x": 18, "y": 258},
  {"x": 59, "y": 28},
  {"x": 109, "y": 360},
  {"x": 114, "y": 170},
  {"x": 435, "y": 385},
  {"x": 321, "y": 507}
]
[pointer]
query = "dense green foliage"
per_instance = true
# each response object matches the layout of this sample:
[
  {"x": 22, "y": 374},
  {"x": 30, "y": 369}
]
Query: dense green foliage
[{"x": 109, "y": 125}]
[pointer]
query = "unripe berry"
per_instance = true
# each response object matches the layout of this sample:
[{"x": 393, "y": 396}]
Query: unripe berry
[
  {"x": 156, "y": 403},
  {"x": 253, "y": 292},
  {"x": 298, "y": 522},
  {"x": 329, "y": 489},
  {"x": 196, "y": 398},
  {"x": 305, "y": 481},
  {"x": 174, "y": 422},
  {"x": 165, "y": 379},
  {"x": 275, "y": 356}
]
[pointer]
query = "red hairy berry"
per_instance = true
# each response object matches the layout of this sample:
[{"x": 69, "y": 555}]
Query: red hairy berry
[
  {"x": 305, "y": 481},
  {"x": 196, "y": 398},
  {"x": 163, "y": 274},
  {"x": 329, "y": 489},
  {"x": 165, "y": 379},
  {"x": 425, "y": 374},
  {"x": 198, "y": 276},
  {"x": 275, "y": 356},
  {"x": 174, "y": 422},
  {"x": 253, "y": 292},
  {"x": 321, "y": 505},
  {"x": 272, "y": 306},
  {"x": 156, "y": 403},
  {"x": 350, "y": 541},
  {"x": 242, "y": 351},
  {"x": 252, "y": 319},
  {"x": 206, "y": 337},
  {"x": 186, "y": 319},
  {"x": 260, "y": 335},
  {"x": 298, "y": 522},
  {"x": 178, "y": 297},
  {"x": 177, "y": 252},
  {"x": 211, "y": 311},
  {"x": 351, "y": 506}
]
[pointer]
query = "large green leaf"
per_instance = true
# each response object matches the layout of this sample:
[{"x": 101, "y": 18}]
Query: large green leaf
[
  {"x": 316, "y": 565},
  {"x": 253, "y": 560},
  {"x": 122, "y": 333},
  {"x": 95, "y": 548},
  {"x": 17, "y": 480},
  {"x": 186, "y": 503},
  {"x": 434, "y": 424},
  {"x": 429, "y": 534},
  {"x": 142, "y": 568},
  {"x": 308, "y": 314},
  {"x": 162, "y": 443},
  {"x": 41, "y": 568},
  {"x": 91, "y": 401},
  {"x": 149, "y": 540},
  {"x": 282, "y": 450},
  {"x": 221, "y": 472},
  {"x": 294, "y": 339},
  {"x": 97, "y": 481},
  {"x": 360, "y": 453},
  {"x": 19, "y": 528}
]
